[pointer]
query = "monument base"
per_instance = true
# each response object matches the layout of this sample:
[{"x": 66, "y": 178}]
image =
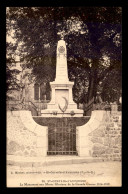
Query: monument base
[
  {"x": 62, "y": 104},
  {"x": 58, "y": 113}
]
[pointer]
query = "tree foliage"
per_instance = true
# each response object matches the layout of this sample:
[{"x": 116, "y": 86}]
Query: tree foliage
[
  {"x": 93, "y": 34},
  {"x": 11, "y": 71}
]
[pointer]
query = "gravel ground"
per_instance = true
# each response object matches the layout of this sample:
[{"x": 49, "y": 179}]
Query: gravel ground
[{"x": 101, "y": 174}]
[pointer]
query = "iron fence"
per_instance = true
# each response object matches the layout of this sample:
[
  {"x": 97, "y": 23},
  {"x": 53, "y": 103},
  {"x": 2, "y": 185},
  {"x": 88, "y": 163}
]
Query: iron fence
[
  {"x": 62, "y": 138},
  {"x": 34, "y": 107}
]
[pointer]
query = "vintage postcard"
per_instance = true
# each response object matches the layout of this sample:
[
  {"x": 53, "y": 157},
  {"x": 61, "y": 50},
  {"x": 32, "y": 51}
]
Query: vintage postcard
[{"x": 64, "y": 97}]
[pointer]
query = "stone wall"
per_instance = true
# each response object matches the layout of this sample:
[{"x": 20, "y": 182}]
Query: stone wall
[
  {"x": 24, "y": 135},
  {"x": 100, "y": 137},
  {"x": 103, "y": 135}
]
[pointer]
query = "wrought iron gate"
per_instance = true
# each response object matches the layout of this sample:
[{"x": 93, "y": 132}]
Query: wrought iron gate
[{"x": 62, "y": 138}]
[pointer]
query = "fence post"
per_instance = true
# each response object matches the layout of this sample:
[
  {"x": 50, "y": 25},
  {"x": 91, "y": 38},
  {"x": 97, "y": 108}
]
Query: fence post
[{"x": 114, "y": 107}]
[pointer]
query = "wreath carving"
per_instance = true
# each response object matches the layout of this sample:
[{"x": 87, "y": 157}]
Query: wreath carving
[{"x": 65, "y": 106}]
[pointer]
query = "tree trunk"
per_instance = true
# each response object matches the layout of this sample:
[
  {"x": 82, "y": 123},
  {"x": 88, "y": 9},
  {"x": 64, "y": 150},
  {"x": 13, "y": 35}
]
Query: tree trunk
[{"x": 92, "y": 90}]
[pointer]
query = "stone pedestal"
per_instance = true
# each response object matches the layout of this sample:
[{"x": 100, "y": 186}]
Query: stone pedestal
[{"x": 62, "y": 97}]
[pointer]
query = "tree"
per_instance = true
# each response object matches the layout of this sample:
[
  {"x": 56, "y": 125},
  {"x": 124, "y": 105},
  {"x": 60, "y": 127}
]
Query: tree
[
  {"x": 12, "y": 83},
  {"x": 11, "y": 71},
  {"x": 91, "y": 34},
  {"x": 104, "y": 25}
]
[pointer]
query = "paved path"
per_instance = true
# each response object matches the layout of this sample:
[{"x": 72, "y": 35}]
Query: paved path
[{"x": 70, "y": 175}]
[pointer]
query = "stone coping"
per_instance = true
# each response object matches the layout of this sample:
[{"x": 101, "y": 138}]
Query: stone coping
[
  {"x": 29, "y": 123},
  {"x": 61, "y": 84},
  {"x": 96, "y": 117}
]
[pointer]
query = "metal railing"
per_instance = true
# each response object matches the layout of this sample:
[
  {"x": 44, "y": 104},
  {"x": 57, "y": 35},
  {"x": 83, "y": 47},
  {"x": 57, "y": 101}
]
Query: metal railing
[
  {"x": 34, "y": 107},
  {"x": 62, "y": 138},
  {"x": 89, "y": 107}
]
